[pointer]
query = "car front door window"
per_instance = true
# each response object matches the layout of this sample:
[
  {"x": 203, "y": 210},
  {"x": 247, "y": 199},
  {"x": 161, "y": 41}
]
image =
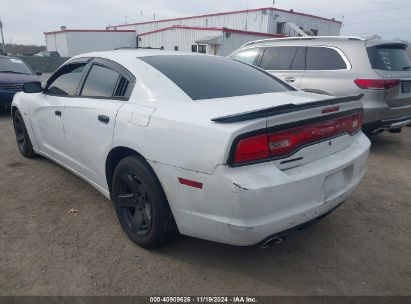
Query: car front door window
[
  {"x": 66, "y": 81},
  {"x": 278, "y": 58}
]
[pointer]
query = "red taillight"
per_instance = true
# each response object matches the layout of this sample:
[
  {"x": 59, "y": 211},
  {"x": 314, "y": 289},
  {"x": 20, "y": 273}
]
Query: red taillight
[
  {"x": 252, "y": 148},
  {"x": 286, "y": 142},
  {"x": 377, "y": 84},
  {"x": 316, "y": 132}
]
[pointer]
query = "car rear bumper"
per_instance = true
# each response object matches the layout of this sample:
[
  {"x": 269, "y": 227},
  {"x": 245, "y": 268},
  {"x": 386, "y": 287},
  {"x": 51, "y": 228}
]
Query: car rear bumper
[
  {"x": 244, "y": 206},
  {"x": 387, "y": 124},
  {"x": 385, "y": 118}
]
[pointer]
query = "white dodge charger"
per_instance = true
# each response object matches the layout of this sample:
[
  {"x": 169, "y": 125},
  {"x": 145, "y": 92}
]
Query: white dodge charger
[{"x": 206, "y": 146}]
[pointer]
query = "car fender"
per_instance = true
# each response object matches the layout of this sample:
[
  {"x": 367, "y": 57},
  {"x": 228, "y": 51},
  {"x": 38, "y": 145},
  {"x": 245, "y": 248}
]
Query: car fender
[{"x": 21, "y": 102}]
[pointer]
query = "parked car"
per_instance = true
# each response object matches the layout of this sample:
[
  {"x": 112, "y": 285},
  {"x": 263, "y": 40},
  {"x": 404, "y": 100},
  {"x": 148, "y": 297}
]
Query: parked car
[
  {"x": 47, "y": 54},
  {"x": 204, "y": 145},
  {"x": 339, "y": 66},
  {"x": 13, "y": 73}
]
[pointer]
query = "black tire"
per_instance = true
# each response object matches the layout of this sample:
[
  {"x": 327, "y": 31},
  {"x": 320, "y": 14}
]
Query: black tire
[
  {"x": 140, "y": 203},
  {"x": 22, "y": 137}
]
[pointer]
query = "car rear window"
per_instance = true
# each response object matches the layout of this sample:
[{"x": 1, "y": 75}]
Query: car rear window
[
  {"x": 208, "y": 77},
  {"x": 389, "y": 58}
]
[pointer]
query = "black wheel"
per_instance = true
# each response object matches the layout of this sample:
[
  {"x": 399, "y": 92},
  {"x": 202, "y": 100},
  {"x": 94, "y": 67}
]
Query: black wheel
[
  {"x": 141, "y": 204},
  {"x": 23, "y": 139}
]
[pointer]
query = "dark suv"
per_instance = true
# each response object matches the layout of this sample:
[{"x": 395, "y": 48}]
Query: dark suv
[{"x": 13, "y": 74}]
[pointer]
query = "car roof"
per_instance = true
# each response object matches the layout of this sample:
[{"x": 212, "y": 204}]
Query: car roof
[
  {"x": 307, "y": 39},
  {"x": 324, "y": 40},
  {"x": 134, "y": 53}
]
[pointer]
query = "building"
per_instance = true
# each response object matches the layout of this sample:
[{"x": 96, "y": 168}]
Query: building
[
  {"x": 214, "y": 41},
  {"x": 217, "y": 34},
  {"x": 222, "y": 33},
  {"x": 262, "y": 20},
  {"x": 73, "y": 42}
]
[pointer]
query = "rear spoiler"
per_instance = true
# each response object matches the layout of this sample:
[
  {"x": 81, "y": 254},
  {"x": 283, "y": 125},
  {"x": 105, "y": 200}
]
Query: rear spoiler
[{"x": 288, "y": 108}]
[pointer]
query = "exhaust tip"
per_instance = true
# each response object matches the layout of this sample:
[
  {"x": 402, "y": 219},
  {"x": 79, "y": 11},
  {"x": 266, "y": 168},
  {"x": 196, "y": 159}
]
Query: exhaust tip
[
  {"x": 272, "y": 241},
  {"x": 397, "y": 131},
  {"x": 377, "y": 131}
]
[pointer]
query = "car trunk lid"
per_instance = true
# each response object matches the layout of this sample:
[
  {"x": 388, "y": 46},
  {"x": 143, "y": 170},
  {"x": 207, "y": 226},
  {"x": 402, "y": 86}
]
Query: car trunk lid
[{"x": 294, "y": 110}]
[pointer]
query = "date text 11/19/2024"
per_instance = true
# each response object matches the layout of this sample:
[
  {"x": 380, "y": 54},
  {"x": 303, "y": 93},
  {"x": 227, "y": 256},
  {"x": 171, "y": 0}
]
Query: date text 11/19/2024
[{"x": 203, "y": 299}]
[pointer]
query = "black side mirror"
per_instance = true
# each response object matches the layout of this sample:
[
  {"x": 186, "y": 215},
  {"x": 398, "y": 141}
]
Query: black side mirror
[
  {"x": 38, "y": 73},
  {"x": 32, "y": 87}
]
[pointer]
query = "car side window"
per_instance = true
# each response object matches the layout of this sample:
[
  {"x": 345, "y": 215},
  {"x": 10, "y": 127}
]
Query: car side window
[
  {"x": 101, "y": 82},
  {"x": 247, "y": 56},
  {"x": 66, "y": 80},
  {"x": 122, "y": 86},
  {"x": 321, "y": 58},
  {"x": 299, "y": 59},
  {"x": 279, "y": 58}
]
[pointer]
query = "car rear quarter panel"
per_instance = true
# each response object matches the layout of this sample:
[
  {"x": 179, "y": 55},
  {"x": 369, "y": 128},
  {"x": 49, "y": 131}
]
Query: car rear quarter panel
[{"x": 193, "y": 142}]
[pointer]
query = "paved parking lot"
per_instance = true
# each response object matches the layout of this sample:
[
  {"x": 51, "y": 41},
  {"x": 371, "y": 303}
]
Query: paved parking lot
[{"x": 364, "y": 248}]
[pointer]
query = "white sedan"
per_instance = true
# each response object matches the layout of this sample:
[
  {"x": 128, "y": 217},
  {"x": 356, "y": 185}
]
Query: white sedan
[{"x": 206, "y": 146}]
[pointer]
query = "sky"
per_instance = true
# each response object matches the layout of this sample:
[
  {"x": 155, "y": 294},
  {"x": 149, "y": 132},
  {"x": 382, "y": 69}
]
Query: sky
[{"x": 25, "y": 21}]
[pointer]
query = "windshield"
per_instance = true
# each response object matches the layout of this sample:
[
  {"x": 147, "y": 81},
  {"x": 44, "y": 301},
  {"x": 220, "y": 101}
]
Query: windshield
[
  {"x": 207, "y": 77},
  {"x": 389, "y": 58},
  {"x": 12, "y": 65}
]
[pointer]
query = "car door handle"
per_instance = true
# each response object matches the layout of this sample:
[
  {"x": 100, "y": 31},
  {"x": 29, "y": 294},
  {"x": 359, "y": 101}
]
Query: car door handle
[
  {"x": 57, "y": 113},
  {"x": 104, "y": 119},
  {"x": 290, "y": 79}
]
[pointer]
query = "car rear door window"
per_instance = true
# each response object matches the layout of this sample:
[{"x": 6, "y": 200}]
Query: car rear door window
[
  {"x": 322, "y": 58},
  {"x": 248, "y": 56},
  {"x": 281, "y": 58},
  {"x": 100, "y": 82},
  {"x": 389, "y": 58},
  {"x": 66, "y": 80}
]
